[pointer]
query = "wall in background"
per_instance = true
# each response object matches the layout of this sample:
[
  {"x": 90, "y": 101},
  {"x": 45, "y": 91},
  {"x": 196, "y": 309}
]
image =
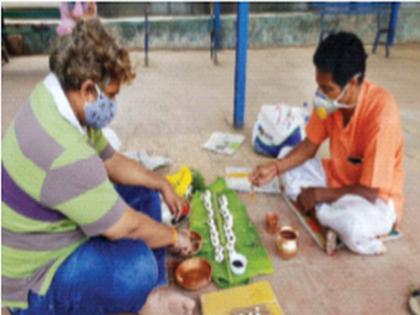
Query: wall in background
[{"x": 289, "y": 24}]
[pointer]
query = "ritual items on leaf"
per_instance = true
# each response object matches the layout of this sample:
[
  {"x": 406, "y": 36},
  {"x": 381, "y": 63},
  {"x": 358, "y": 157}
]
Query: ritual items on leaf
[
  {"x": 214, "y": 234},
  {"x": 186, "y": 182},
  {"x": 238, "y": 262},
  {"x": 231, "y": 242}
]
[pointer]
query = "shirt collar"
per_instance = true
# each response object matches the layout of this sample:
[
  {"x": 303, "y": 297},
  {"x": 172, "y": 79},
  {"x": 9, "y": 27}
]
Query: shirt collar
[{"x": 54, "y": 87}]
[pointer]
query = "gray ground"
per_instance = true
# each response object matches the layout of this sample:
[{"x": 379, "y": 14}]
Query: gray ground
[{"x": 175, "y": 104}]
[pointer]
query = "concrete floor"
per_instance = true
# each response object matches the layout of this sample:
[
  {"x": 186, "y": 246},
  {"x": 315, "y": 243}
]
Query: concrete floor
[{"x": 174, "y": 105}]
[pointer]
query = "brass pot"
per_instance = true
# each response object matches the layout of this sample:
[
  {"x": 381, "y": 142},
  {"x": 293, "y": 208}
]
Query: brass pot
[{"x": 287, "y": 242}]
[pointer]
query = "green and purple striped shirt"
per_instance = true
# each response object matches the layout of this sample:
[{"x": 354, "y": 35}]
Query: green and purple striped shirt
[{"x": 55, "y": 192}]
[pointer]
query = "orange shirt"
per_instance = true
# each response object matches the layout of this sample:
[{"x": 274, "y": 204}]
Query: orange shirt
[{"x": 373, "y": 136}]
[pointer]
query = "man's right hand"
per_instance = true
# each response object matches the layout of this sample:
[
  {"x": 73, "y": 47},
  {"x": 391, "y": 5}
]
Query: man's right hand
[{"x": 264, "y": 173}]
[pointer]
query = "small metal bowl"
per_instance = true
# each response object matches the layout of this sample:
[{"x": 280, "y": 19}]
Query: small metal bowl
[
  {"x": 193, "y": 274},
  {"x": 197, "y": 242}
]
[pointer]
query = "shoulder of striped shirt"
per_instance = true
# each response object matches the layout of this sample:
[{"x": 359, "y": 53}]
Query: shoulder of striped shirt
[{"x": 53, "y": 86}]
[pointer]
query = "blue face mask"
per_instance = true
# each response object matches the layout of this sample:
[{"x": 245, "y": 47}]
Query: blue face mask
[{"x": 101, "y": 111}]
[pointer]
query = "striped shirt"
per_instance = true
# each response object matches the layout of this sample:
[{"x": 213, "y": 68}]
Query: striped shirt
[{"x": 55, "y": 192}]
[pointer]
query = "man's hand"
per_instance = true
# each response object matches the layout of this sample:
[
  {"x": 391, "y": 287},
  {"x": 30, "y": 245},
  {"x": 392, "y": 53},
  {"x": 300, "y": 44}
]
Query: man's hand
[
  {"x": 173, "y": 201},
  {"x": 264, "y": 174},
  {"x": 308, "y": 198}
]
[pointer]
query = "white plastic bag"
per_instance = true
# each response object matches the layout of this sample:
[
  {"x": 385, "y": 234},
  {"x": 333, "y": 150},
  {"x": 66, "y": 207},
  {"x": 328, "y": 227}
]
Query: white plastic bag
[{"x": 278, "y": 129}]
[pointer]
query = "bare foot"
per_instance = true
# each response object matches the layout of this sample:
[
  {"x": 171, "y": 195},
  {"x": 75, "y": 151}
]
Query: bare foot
[
  {"x": 331, "y": 242},
  {"x": 168, "y": 301}
]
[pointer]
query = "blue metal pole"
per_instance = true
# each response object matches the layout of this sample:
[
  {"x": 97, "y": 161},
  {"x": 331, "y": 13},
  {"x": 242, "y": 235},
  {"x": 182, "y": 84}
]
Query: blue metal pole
[
  {"x": 393, "y": 20},
  {"x": 146, "y": 37},
  {"x": 242, "y": 13},
  {"x": 217, "y": 11}
]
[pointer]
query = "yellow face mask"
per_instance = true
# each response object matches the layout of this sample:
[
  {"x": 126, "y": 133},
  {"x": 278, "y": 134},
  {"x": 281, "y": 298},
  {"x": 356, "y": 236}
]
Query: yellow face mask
[
  {"x": 324, "y": 106},
  {"x": 321, "y": 112}
]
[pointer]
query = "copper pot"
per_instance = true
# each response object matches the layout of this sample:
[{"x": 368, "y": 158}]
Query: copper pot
[
  {"x": 287, "y": 242},
  {"x": 271, "y": 222},
  {"x": 193, "y": 274}
]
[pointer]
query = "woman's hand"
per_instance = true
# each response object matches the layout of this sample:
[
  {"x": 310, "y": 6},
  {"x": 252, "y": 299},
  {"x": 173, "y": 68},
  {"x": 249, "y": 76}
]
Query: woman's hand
[
  {"x": 173, "y": 201},
  {"x": 264, "y": 173},
  {"x": 183, "y": 245}
]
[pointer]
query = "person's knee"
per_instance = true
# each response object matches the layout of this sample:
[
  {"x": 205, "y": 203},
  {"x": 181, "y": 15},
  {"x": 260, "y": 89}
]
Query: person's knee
[
  {"x": 138, "y": 271},
  {"x": 118, "y": 275},
  {"x": 153, "y": 203},
  {"x": 307, "y": 174}
]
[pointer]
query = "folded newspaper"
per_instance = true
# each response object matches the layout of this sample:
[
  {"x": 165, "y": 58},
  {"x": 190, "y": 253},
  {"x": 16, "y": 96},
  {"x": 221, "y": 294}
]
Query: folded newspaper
[{"x": 224, "y": 143}]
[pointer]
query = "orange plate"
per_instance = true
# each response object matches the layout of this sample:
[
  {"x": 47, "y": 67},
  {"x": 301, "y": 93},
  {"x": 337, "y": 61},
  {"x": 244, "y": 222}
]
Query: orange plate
[{"x": 193, "y": 274}]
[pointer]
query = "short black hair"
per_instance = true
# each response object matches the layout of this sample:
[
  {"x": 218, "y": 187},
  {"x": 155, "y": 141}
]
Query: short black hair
[{"x": 343, "y": 55}]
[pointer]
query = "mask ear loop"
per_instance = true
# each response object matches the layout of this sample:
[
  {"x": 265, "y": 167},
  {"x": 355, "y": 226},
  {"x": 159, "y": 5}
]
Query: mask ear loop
[
  {"x": 356, "y": 76},
  {"x": 98, "y": 91},
  {"x": 339, "y": 105},
  {"x": 336, "y": 103}
]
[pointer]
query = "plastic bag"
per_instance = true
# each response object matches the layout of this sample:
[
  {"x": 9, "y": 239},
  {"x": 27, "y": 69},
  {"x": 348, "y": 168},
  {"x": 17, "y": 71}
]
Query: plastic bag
[{"x": 278, "y": 129}]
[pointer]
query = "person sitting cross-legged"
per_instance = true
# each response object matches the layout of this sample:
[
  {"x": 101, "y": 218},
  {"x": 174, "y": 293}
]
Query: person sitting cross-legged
[
  {"x": 357, "y": 193},
  {"x": 81, "y": 228}
]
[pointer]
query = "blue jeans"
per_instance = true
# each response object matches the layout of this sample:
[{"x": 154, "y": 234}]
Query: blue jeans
[{"x": 105, "y": 277}]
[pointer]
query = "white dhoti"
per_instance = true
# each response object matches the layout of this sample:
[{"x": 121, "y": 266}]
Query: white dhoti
[{"x": 358, "y": 222}]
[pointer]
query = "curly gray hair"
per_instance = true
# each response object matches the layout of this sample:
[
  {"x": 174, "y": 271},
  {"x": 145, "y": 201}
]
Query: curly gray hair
[{"x": 89, "y": 52}]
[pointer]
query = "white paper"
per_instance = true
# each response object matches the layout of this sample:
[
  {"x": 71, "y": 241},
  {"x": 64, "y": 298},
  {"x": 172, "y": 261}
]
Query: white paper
[
  {"x": 224, "y": 143},
  {"x": 237, "y": 179}
]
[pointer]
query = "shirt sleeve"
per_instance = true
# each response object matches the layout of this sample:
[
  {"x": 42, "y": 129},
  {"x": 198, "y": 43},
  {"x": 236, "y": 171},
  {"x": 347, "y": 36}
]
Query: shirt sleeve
[
  {"x": 379, "y": 156},
  {"x": 383, "y": 129},
  {"x": 82, "y": 192},
  {"x": 316, "y": 129},
  {"x": 100, "y": 144}
]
